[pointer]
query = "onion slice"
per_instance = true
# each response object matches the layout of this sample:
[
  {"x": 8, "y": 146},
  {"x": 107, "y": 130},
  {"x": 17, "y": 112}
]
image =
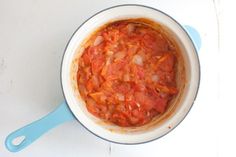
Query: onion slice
[
  {"x": 126, "y": 77},
  {"x": 155, "y": 78},
  {"x": 130, "y": 28},
  {"x": 137, "y": 59},
  {"x": 99, "y": 39},
  {"x": 120, "y": 96},
  {"x": 119, "y": 56}
]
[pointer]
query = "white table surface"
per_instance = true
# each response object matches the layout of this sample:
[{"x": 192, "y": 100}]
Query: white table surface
[{"x": 33, "y": 35}]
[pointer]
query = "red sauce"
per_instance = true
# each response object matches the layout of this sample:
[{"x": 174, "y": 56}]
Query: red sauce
[{"x": 127, "y": 74}]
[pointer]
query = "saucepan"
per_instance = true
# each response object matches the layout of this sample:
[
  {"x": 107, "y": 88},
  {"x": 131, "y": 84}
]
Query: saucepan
[{"x": 74, "y": 109}]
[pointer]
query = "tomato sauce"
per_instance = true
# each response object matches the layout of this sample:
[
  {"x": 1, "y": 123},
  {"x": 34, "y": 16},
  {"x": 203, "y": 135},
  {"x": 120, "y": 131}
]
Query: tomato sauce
[{"x": 127, "y": 73}]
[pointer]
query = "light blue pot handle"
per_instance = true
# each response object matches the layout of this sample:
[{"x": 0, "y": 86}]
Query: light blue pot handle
[
  {"x": 33, "y": 131},
  {"x": 194, "y": 35}
]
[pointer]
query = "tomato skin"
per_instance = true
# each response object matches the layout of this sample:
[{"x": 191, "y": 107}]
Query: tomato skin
[{"x": 127, "y": 77}]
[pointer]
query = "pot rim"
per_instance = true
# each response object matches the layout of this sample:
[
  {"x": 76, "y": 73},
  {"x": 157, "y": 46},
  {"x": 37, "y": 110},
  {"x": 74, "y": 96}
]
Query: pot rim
[{"x": 124, "y": 5}]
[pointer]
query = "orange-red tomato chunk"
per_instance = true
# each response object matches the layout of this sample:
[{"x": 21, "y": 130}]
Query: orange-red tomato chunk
[{"x": 127, "y": 74}]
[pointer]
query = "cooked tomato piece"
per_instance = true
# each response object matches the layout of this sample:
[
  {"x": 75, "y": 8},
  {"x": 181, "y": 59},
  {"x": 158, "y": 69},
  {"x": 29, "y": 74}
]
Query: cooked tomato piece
[
  {"x": 120, "y": 119},
  {"x": 99, "y": 97},
  {"x": 86, "y": 57},
  {"x": 92, "y": 106},
  {"x": 166, "y": 62},
  {"x": 160, "y": 104},
  {"x": 144, "y": 100},
  {"x": 97, "y": 64}
]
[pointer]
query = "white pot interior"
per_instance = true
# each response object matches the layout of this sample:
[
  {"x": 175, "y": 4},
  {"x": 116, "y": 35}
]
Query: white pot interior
[{"x": 111, "y": 132}]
